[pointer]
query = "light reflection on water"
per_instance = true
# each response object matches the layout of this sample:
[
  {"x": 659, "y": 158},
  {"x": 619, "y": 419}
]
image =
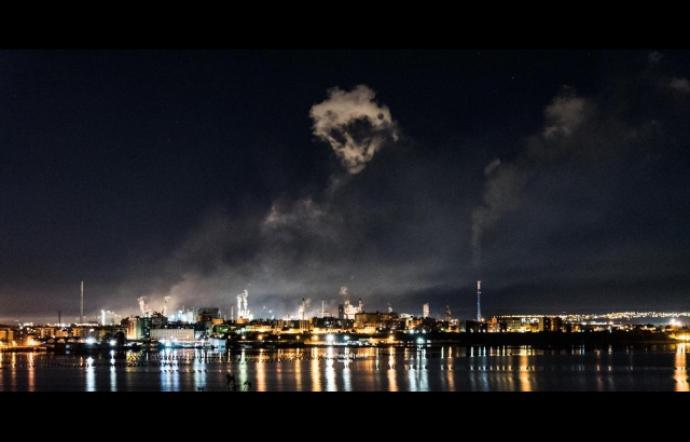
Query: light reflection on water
[
  {"x": 681, "y": 374},
  {"x": 419, "y": 368},
  {"x": 315, "y": 371},
  {"x": 90, "y": 374}
]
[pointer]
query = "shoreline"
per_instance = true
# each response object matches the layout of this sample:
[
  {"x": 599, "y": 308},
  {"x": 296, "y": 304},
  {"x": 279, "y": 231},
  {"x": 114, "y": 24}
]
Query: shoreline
[{"x": 431, "y": 340}]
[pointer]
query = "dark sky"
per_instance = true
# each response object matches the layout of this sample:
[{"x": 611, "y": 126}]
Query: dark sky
[{"x": 560, "y": 178}]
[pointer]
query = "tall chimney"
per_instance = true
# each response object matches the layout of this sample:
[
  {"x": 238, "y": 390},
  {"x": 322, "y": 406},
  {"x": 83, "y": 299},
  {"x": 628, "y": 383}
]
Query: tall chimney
[
  {"x": 479, "y": 300},
  {"x": 81, "y": 310}
]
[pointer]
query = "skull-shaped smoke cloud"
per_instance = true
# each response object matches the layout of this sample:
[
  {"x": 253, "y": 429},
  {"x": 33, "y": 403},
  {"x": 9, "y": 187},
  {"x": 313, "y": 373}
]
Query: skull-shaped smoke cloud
[{"x": 354, "y": 125}]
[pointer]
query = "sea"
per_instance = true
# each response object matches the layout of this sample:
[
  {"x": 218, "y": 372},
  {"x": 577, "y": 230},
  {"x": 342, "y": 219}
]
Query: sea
[{"x": 420, "y": 368}]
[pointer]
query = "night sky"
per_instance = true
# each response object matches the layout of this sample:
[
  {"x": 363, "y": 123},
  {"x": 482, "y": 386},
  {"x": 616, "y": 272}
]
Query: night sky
[{"x": 559, "y": 178}]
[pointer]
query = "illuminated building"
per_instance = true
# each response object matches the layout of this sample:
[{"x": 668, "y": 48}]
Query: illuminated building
[
  {"x": 472, "y": 326},
  {"x": 348, "y": 311},
  {"x": 425, "y": 310},
  {"x": 524, "y": 324},
  {"x": 6, "y": 334},
  {"x": 184, "y": 316},
  {"x": 329, "y": 323},
  {"x": 181, "y": 335},
  {"x": 208, "y": 317},
  {"x": 553, "y": 324},
  {"x": 137, "y": 328},
  {"x": 493, "y": 325},
  {"x": 370, "y": 322}
]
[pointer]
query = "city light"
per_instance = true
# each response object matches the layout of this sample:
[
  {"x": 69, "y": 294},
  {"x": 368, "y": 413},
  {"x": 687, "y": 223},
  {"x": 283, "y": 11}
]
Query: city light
[
  {"x": 90, "y": 340},
  {"x": 681, "y": 337},
  {"x": 330, "y": 338},
  {"x": 113, "y": 342}
]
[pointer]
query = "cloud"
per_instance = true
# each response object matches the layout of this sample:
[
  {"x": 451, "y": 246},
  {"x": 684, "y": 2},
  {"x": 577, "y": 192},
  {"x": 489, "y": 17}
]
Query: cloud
[
  {"x": 655, "y": 57},
  {"x": 679, "y": 85},
  {"x": 492, "y": 166},
  {"x": 298, "y": 245},
  {"x": 354, "y": 125},
  {"x": 394, "y": 235},
  {"x": 503, "y": 189},
  {"x": 302, "y": 212},
  {"x": 565, "y": 114}
]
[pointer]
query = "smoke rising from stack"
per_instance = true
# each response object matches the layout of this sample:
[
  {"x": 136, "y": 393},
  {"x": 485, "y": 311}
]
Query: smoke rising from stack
[
  {"x": 308, "y": 244},
  {"x": 505, "y": 181}
]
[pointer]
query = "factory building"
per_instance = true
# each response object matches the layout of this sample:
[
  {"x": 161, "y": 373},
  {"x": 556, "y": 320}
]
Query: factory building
[
  {"x": 109, "y": 318},
  {"x": 173, "y": 334},
  {"x": 137, "y": 328},
  {"x": 329, "y": 322},
  {"x": 208, "y": 317},
  {"x": 370, "y": 322},
  {"x": 184, "y": 316},
  {"x": 348, "y": 311},
  {"x": 523, "y": 324}
]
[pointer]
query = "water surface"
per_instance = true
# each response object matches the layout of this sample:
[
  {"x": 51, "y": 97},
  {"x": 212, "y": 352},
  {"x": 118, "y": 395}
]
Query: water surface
[{"x": 448, "y": 368}]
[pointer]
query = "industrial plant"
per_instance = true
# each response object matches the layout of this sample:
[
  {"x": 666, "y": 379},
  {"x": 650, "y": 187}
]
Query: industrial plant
[{"x": 209, "y": 326}]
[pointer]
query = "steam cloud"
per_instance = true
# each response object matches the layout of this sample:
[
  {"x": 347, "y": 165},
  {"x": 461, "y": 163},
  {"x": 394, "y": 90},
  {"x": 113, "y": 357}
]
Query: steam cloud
[
  {"x": 294, "y": 233},
  {"x": 680, "y": 85},
  {"x": 354, "y": 125},
  {"x": 505, "y": 181},
  {"x": 304, "y": 246}
]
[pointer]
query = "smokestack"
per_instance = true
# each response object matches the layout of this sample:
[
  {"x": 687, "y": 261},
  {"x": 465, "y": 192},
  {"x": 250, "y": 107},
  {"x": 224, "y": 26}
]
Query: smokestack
[
  {"x": 479, "y": 300},
  {"x": 81, "y": 309},
  {"x": 142, "y": 306},
  {"x": 303, "y": 308},
  {"x": 165, "y": 305},
  {"x": 59, "y": 318}
]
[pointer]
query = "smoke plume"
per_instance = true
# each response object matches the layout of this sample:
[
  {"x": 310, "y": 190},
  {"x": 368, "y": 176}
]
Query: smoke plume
[
  {"x": 505, "y": 181},
  {"x": 307, "y": 234},
  {"x": 354, "y": 125}
]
